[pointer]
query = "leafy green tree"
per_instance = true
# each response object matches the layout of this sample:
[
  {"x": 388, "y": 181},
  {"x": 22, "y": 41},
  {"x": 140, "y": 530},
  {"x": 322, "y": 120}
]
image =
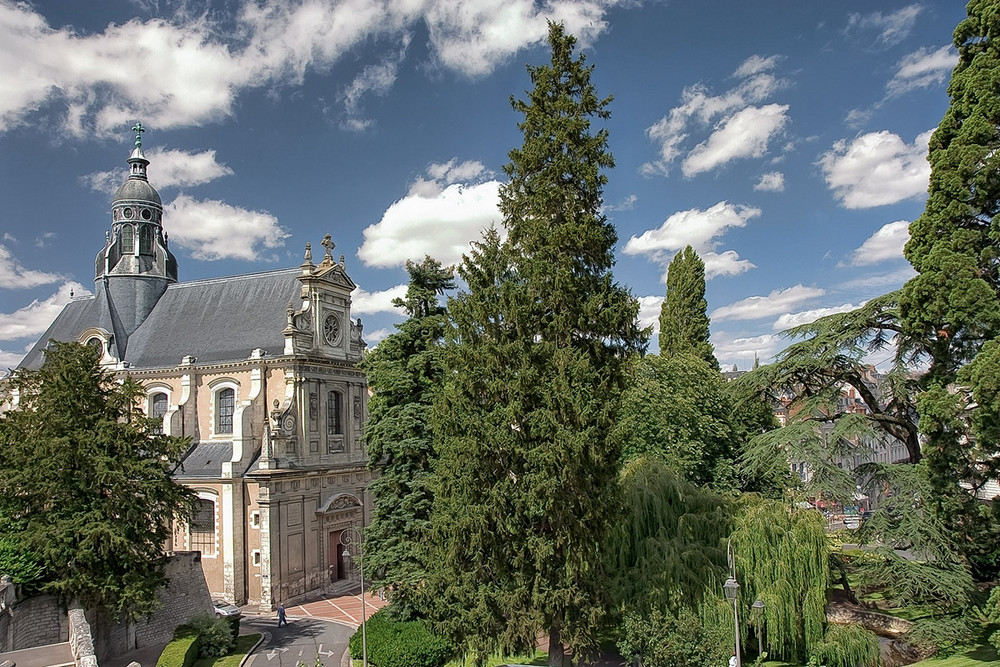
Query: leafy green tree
[
  {"x": 665, "y": 552},
  {"x": 684, "y": 319},
  {"x": 952, "y": 307},
  {"x": 543, "y": 336},
  {"x": 829, "y": 356},
  {"x": 405, "y": 373},
  {"x": 677, "y": 408},
  {"x": 88, "y": 479},
  {"x": 780, "y": 557}
]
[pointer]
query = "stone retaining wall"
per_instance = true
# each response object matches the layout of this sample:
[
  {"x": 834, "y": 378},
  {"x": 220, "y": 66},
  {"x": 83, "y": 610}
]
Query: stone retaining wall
[{"x": 880, "y": 624}]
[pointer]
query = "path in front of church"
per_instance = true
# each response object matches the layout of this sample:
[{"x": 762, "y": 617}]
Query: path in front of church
[{"x": 320, "y": 629}]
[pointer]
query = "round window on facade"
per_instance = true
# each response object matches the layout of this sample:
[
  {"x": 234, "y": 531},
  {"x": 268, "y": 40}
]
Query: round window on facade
[
  {"x": 146, "y": 214},
  {"x": 128, "y": 213}
]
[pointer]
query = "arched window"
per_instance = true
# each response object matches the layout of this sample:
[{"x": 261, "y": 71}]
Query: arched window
[
  {"x": 334, "y": 423},
  {"x": 157, "y": 408},
  {"x": 128, "y": 242},
  {"x": 202, "y": 529},
  {"x": 145, "y": 240},
  {"x": 225, "y": 405}
]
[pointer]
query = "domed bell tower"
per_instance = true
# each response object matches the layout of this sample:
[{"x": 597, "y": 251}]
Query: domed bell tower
[{"x": 134, "y": 268}]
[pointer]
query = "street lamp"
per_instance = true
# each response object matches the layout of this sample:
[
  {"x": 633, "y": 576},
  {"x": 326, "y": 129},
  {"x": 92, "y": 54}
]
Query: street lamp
[
  {"x": 732, "y": 590},
  {"x": 758, "y": 606},
  {"x": 352, "y": 535}
]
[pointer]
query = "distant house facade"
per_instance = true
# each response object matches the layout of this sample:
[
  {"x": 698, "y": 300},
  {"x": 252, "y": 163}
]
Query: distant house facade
[{"x": 261, "y": 372}]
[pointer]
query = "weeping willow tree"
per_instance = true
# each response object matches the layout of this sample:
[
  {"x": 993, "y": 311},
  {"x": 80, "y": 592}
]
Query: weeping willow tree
[
  {"x": 781, "y": 559},
  {"x": 668, "y": 559},
  {"x": 669, "y": 548}
]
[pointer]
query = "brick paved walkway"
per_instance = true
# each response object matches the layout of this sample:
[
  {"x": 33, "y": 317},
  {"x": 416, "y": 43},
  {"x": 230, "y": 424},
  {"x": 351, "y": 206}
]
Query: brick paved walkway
[{"x": 344, "y": 608}]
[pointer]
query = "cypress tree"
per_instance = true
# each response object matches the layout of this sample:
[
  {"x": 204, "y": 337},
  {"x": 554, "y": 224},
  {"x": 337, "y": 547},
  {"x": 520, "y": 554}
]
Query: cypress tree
[
  {"x": 405, "y": 373},
  {"x": 683, "y": 316},
  {"x": 543, "y": 336},
  {"x": 952, "y": 307}
]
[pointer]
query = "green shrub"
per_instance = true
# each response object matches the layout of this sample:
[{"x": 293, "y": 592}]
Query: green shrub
[
  {"x": 664, "y": 640},
  {"x": 394, "y": 643},
  {"x": 182, "y": 650},
  {"x": 216, "y": 634},
  {"x": 846, "y": 646}
]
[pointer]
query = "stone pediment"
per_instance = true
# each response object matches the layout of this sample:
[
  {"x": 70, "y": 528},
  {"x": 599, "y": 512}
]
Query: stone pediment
[{"x": 339, "y": 503}]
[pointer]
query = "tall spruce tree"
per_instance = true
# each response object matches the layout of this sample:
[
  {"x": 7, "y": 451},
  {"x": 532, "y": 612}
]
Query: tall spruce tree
[
  {"x": 86, "y": 482},
  {"x": 683, "y": 316},
  {"x": 951, "y": 309},
  {"x": 528, "y": 472},
  {"x": 405, "y": 373}
]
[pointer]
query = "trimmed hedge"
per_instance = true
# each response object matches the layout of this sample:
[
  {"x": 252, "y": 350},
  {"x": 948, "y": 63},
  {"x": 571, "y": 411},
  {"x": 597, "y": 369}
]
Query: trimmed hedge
[
  {"x": 182, "y": 650},
  {"x": 394, "y": 643}
]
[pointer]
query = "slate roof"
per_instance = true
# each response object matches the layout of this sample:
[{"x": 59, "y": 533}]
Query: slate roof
[
  {"x": 204, "y": 460},
  {"x": 216, "y": 320}
]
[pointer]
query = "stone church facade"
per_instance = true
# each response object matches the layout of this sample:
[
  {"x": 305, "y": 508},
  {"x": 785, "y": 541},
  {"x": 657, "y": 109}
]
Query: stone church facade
[{"x": 261, "y": 372}]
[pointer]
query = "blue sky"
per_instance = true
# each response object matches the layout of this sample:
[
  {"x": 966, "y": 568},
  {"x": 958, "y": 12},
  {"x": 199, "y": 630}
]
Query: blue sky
[{"x": 785, "y": 140}]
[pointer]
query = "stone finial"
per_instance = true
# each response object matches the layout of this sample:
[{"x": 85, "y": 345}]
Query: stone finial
[
  {"x": 341, "y": 261},
  {"x": 309, "y": 253},
  {"x": 289, "y": 313}
]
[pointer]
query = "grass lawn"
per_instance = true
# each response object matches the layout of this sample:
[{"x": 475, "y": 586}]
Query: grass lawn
[
  {"x": 984, "y": 656},
  {"x": 243, "y": 645},
  {"x": 539, "y": 658}
]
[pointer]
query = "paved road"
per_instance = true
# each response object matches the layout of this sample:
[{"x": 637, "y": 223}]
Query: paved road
[
  {"x": 302, "y": 640},
  {"x": 53, "y": 655}
]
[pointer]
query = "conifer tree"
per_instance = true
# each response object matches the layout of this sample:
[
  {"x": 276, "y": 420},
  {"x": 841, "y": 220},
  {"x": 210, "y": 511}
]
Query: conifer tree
[
  {"x": 543, "y": 335},
  {"x": 683, "y": 316},
  {"x": 405, "y": 373},
  {"x": 87, "y": 482},
  {"x": 952, "y": 307}
]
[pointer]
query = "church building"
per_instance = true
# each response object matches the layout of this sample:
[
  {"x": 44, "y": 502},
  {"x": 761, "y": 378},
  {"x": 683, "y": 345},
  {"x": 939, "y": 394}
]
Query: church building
[{"x": 261, "y": 372}]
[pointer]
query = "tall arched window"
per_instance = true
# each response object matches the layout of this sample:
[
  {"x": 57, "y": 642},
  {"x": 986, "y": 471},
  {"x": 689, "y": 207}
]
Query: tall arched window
[
  {"x": 225, "y": 405},
  {"x": 157, "y": 408},
  {"x": 128, "y": 242},
  {"x": 334, "y": 423},
  {"x": 145, "y": 240},
  {"x": 202, "y": 528}
]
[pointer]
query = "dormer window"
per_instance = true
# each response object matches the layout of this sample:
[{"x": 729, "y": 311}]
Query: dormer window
[{"x": 96, "y": 342}]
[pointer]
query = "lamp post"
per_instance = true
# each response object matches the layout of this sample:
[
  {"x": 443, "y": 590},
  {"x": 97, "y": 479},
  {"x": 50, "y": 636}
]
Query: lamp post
[
  {"x": 732, "y": 590},
  {"x": 352, "y": 535},
  {"x": 758, "y": 606}
]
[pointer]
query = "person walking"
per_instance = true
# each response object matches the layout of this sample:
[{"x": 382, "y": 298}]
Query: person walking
[
  {"x": 733, "y": 662},
  {"x": 281, "y": 615}
]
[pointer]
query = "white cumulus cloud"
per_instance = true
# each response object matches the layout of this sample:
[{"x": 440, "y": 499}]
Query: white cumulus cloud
[
  {"x": 202, "y": 61},
  {"x": 731, "y": 115},
  {"x": 876, "y": 169},
  {"x": 789, "y": 320},
  {"x": 923, "y": 68},
  {"x": 440, "y": 216},
  {"x": 212, "y": 229},
  {"x": 744, "y": 134},
  {"x": 893, "y": 27},
  {"x": 701, "y": 229},
  {"x": 369, "y": 303},
  {"x": 14, "y": 276},
  {"x": 772, "y": 181},
  {"x": 32, "y": 320},
  {"x": 743, "y": 350},
  {"x": 167, "y": 168},
  {"x": 777, "y": 302},
  {"x": 885, "y": 244}
]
